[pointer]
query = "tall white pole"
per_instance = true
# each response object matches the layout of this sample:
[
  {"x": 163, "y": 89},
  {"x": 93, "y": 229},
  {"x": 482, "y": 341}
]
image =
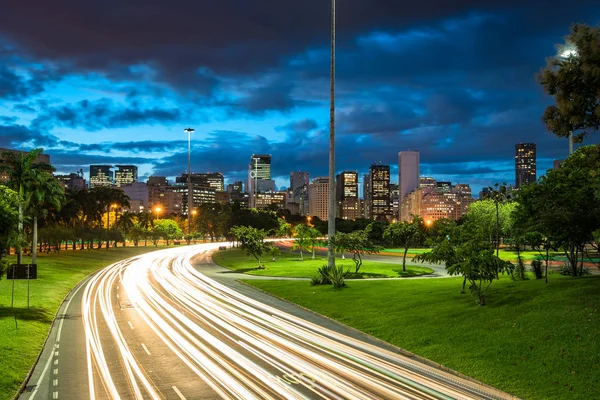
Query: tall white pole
[
  {"x": 189, "y": 180},
  {"x": 331, "y": 210}
]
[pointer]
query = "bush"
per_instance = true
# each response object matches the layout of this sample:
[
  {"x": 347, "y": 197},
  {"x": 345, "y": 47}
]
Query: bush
[
  {"x": 536, "y": 267},
  {"x": 330, "y": 276},
  {"x": 520, "y": 270},
  {"x": 3, "y": 267},
  {"x": 566, "y": 270}
]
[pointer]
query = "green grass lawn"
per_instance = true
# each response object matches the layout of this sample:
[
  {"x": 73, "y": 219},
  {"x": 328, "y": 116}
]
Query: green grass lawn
[
  {"x": 289, "y": 264},
  {"x": 504, "y": 254},
  {"x": 57, "y": 274},
  {"x": 533, "y": 340}
]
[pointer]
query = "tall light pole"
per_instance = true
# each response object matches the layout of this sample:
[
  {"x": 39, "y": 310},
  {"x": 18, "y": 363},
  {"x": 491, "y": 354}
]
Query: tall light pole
[
  {"x": 331, "y": 210},
  {"x": 189, "y": 179}
]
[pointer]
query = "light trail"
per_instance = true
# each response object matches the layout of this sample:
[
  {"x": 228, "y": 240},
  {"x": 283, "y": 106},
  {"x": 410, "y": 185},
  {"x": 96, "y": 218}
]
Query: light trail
[{"x": 240, "y": 347}]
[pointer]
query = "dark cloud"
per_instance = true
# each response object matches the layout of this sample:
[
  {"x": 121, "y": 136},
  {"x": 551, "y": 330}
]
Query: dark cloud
[
  {"x": 105, "y": 113},
  {"x": 17, "y": 136}
]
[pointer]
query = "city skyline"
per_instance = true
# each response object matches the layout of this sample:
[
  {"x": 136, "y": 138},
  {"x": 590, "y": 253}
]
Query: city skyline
[{"x": 456, "y": 82}]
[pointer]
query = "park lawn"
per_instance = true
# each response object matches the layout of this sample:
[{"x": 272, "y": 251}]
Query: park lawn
[
  {"x": 533, "y": 340},
  {"x": 508, "y": 255},
  {"x": 58, "y": 273},
  {"x": 289, "y": 264}
]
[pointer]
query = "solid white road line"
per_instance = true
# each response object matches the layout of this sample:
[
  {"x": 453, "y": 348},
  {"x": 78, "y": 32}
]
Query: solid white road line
[
  {"x": 181, "y": 396},
  {"x": 146, "y": 349}
]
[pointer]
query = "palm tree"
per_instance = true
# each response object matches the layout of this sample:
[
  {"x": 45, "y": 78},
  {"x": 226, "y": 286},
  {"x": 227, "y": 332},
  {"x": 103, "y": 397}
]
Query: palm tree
[
  {"x": 19, "y": 167},
  {"x": 43, "y": 193}
]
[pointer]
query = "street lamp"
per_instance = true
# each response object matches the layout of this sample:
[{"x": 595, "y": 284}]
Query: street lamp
[
  {"x": 566, "y": 52},
  {"x": 115, "y": 207},
  {"x": 157, "y": 210},
  {"x": 189, "y": 131}
]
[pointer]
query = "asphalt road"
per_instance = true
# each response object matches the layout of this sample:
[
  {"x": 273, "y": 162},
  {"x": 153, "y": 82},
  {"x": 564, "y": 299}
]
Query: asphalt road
[{"x": 172, "y": 325}]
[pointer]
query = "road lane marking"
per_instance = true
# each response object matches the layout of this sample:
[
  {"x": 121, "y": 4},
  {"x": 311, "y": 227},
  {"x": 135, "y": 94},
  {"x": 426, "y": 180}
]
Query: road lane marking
[
  {"x": 181, "y": 396},
  {"x": 131, "y": 326},
  {"x": 55, "y": 382},
  {"x": 117, "y": 295},
  {"x": 55, "y": 371},
  {"x": 56, "y": 362},
  {"x": 56, "y": 354},
  {"x": 55, "y": 395},
  {"x": 145, "y": 349}
]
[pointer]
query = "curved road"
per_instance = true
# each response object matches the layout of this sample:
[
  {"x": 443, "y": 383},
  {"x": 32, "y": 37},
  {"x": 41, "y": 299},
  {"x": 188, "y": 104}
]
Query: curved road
[{"x": 154, "y": 327}]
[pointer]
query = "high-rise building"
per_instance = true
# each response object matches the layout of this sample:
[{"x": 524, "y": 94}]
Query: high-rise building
[
  {"x": 395, "y": 200},
  {"x": 271, "y": 200},
  {"x": 259, "y": 176},
  {"x": 379, "y": 179},
  {"x": 214, "y": 180},
  {"x": 101, "y": 175},
  {"x": 298, "y": 190},
  {"x": 126, "y": 174},
  {"x": 525, "y": 164},
  {"x": 201, "y": 195},
  {"x": 318, "y": 198},
  {"x": 434, "y": 202},
  {"x": 366, "y": 196},
  {"x": 138, "y": 196},
  {"x": 73, "y": 181},
  {"x": 408, "y": 173},
  {"x": 157, "y": 191},
  {"x": 347, "y": 195}
]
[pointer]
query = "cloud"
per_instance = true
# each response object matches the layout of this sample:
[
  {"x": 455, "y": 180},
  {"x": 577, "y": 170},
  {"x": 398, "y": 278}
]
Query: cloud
[{"x": 103, "y": 114}]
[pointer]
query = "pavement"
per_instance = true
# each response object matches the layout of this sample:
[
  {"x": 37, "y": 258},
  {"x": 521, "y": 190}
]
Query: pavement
[{"x": 173, "y": 325}]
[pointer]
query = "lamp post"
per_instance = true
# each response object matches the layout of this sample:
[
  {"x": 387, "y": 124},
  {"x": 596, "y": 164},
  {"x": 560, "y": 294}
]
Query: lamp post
[
  {"x": 157, "y": 210},
  {"x": 566, "y": 53},
  {"x": 189, "y": 131},
  {"x": 331, "y": 209}
]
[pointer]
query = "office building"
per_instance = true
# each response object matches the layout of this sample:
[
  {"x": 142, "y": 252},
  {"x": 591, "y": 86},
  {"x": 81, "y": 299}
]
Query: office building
[
  {"x": 435, "y": 202},
  {"x": 318, "y": 198},
  {"x": 525, "y": 164},
  {"x": 408, "y": 173},
  {"x": 379, "y": 182},
  {"x": 101, "y": 175},
  {"x": 366, "y": 203},
  {"x": 157, "y": 191},
  {"x": 348, "y": 206},
  {"x": 200, "y": 195},
  {"x": 214, "y": 180},
  {"x": 270, "y": 200},
  {"x": 138, "y": 196},
  {"x": 73, "y": 181},
  {"x": 259, "y": 176},
  {"x": 395, "y": 201},
  {"x": 126, "y": 174}
]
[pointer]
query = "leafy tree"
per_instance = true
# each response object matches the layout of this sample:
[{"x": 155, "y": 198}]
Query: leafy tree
[
  {"x": 313, "y": 239},
  {"x": 168, "y": 229},
  {"x": 464, "y": 253},
  {"x": 137, "y": 233},
  {"x": 564, "y": 206},
  {"x": 9, "y": 217},
  {"x": 498, "y": 194},
  {"x": 573, "y": 78},
  {"x": 358, "y": 243},
  {"x": 285, "y": 228},
  {"x": 251, "y": 240},
  {"x": 301, "y": 238},
  {"x": 405, "y": 234},
  {"x": 375, "y": 231},
  {"x": 274, "y": 251}
]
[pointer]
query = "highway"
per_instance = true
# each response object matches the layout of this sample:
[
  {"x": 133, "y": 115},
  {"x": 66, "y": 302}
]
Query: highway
[{"x": 155, "y": 327}]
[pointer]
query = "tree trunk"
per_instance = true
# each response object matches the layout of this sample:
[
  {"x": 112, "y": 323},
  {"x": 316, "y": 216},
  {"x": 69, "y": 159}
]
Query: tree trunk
[
  {"x": 404, "y": 260},
  {"x": 313, "y": 252},
  {"x": 34, "y": 241},
  {"x": 463, "y": 285},
  {"x": 482, "y": 300},
  {"x": 301, "y": 257},
  {"x": 547, "y": 256},
  {"x": 497, "y": 231},
  {"x": 20, "y": 228}
]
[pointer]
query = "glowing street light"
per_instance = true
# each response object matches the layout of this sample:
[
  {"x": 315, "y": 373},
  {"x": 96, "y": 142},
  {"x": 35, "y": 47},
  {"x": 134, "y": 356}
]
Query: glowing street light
[
  {"x": 189, "y": 131},
  {"x": 157, "y": 210}
]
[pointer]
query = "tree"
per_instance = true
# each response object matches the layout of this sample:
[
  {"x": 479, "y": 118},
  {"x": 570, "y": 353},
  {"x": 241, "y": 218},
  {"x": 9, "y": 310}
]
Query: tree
[
  {"x": 19, "y": 167},
  {"x": 136, "y": 233},
  {"x": 274, "y": 251},
  {"x": 43, "y": 193},
  {"x": 405, "y": 234},
  {"x": 499, "y": 195},
  {"x": 464, "y": 253},
  {"x": 313, "y": 239},
  {"x": 9, "y": 218},
  {"x": 564, "y": 206},
  {"x": 301, "y": 238},
  {"x": 251, "y": 240},
  {"x": 285, "y": 228},
  {"x": 358, "y": 243},
  {"x": 169, "y": 230},
  {"x": 573, "y": 78}
]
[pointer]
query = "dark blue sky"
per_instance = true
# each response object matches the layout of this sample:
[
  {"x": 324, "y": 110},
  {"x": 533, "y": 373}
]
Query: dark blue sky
[{"x": 110, "y": 81}]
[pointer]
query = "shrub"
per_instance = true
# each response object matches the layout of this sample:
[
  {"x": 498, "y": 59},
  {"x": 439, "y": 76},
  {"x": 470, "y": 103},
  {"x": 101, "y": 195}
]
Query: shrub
[
  {"x": 330, "y": 276},
  {"x": 520, "y": 270},
  {"x": 536, "y": 267},
  {"x": 322, "y": 276},
  {"x": 566, "y": 270},
  {"x": 3, "y": 267}
]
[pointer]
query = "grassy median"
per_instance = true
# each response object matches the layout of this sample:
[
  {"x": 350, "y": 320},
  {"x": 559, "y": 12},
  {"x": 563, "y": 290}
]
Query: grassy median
[
  {"x": 533, "y": 340},
  {"x": 289, "y": 264},
  {"x": 58, "y": 273}
]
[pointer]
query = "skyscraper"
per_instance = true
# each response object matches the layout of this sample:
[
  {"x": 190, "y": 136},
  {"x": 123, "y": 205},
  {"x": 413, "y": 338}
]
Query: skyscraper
[
  {"x": 126, "y": 174},
  {"x": 525, "y": 164},
  {"x": 347, "y": 195},
  {"x": 366, "y": 196},
  {"x": 408, "y": 173},
  {"x": 259, "y": 176},
  {"x": 213, "y": 180},
  {"x": 318, "y": 198},
  {"x": 379, "y": 179},
  {"x": 101, "y": 175}
]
